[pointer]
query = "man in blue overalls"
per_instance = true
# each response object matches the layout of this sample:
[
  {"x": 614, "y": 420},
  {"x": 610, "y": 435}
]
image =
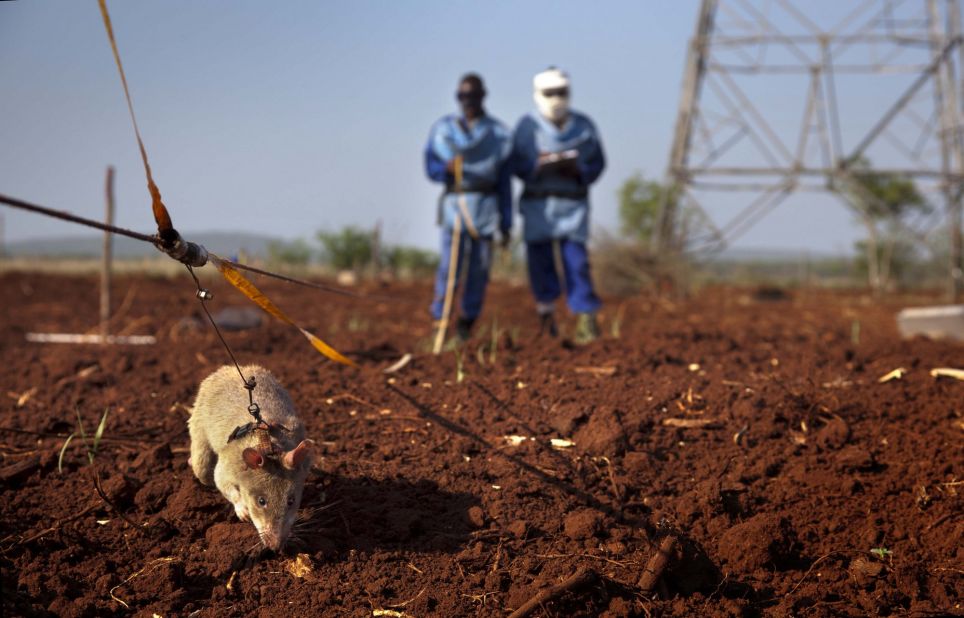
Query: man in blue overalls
[
  {"x": 472, "y": 147},
  {"x": 558, "y": 154}
]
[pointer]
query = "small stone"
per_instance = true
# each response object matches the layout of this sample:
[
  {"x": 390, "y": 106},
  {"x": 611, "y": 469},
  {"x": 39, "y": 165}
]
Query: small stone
[{"x": 476, "y": 516}]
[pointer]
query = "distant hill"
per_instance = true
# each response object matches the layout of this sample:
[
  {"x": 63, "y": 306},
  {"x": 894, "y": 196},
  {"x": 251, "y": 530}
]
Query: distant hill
[
  {"x": 222, "y": 243},
  {"x": 775, "y": 255}
]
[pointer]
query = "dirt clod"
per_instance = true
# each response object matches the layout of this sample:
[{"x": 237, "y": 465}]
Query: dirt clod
[
  {"x": 583, "y": 524},
  {"x": 762, "y": 541},
  {"x": 603, "y": 434}
]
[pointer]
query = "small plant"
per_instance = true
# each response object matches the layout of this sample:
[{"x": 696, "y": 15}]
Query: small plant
[
  {"x": 513, "y": 335},
  {"x": 881, "y": 552},
  {"x": 459, "y": 373},
  {"x": 494, "y": 343},
  {"x": 855, "y": 332},
  {"x": 358, "y": 324},
  {"x": 91, "y": 447},
  {"x": 615, "y": 327}
]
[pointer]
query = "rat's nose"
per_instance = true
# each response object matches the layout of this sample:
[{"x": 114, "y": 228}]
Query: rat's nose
[{"x": 271, "y": 540}]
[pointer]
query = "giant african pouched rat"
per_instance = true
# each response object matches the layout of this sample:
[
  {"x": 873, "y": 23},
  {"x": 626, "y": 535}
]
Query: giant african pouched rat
[{"x": 262, "y": 472}]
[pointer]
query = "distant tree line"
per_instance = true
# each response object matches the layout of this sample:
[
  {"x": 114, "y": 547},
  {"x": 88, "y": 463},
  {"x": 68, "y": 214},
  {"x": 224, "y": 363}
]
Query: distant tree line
[
  {"x": 354, "y": 249},
  {"x": 883, "y": 203}
]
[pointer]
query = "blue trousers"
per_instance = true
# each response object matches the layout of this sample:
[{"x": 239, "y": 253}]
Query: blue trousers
[
  {"x": 545, "y": 280},
  {"x": 478, "y": 254}
]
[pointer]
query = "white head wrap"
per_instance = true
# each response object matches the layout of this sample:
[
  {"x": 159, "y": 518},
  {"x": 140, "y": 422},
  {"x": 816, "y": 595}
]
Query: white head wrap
[{"x": 551, "y": 108}]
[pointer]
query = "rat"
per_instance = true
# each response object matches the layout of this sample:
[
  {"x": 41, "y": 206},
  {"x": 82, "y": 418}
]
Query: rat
[{"x": 262, "y": 472}]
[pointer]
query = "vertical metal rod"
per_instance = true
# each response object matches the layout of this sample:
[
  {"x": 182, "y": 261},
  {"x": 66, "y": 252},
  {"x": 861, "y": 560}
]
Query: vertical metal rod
[
  {"x": 952, "y": 142},
  {"x": 836, "y": 140},
  {"x": 105, "y": 267},
  {"x": 946, "y": 126},
  {"x": 663, "y": 232},
  {"x": 806, "y": 127},
  {"x": 376, "y": 265}
]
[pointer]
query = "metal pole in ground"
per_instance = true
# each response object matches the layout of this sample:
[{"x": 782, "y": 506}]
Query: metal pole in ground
[{"x": 105, "y": 267}]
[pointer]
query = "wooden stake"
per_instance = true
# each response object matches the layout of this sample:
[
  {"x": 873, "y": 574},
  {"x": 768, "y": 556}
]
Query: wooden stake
[
  {"x": 77, "y": 338},
  {"x": 449, "y": 284},
  {"x": 453, "y": 256},
  {"x": 105, "y": 268}
]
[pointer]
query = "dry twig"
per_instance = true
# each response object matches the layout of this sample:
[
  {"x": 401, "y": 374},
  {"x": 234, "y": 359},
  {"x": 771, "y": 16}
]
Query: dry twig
[
  {"x": 812, "y": 567},
  {"x": 581, "y": 577},
  {"x": 657, "y": 564}
]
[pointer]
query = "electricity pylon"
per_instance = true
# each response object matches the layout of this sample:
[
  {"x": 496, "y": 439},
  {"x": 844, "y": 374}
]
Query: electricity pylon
[{"x": 882, "y": 83}]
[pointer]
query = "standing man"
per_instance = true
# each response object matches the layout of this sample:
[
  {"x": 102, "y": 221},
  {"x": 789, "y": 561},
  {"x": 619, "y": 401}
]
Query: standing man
[
  {"x": 469, "y": 154},
  {"x": 557, "y": 153}
]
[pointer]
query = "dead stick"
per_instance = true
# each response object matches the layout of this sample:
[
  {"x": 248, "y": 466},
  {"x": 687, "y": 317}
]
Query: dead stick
[
  {"x": 581, "y": 577},
  {"x": 657, "y": 564},
  {"x": 15, "y": 470}
]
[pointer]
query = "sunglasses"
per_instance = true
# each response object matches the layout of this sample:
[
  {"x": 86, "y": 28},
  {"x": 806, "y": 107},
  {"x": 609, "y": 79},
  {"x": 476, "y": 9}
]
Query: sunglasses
[
  {"x": 470, "y": 95},
  {"x": 562, "y": 93}
]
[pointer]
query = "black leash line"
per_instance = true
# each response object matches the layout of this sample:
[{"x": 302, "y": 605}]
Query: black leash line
[
  {"x": 254, "y": 409},
  {"x": 156, "y": 241},
  {"x": 66, "y": 216}
]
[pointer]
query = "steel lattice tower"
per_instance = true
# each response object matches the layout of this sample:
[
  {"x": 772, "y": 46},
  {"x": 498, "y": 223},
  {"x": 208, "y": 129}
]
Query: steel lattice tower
[{"x": 723, "y": 141}]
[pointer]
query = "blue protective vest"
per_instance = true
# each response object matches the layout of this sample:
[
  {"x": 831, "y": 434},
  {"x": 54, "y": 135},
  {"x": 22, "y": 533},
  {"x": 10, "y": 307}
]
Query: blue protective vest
[
  {"x": 486, "y": 177},
  {"x": 554, "y": 205}
]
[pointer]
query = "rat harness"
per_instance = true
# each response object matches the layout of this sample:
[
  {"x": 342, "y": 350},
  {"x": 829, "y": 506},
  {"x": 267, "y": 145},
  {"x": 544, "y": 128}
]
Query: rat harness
[{"x": 264, "y": 429}]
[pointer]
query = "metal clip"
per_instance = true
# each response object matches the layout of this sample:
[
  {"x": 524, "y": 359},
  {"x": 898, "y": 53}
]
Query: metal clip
[
  {"x": 204, "y": 294},
  {"x": 243, "y": 430}
]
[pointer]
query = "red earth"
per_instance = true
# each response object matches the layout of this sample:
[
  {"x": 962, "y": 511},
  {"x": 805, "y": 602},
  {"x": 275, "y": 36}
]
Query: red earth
[{"x": 804, "y": 486}]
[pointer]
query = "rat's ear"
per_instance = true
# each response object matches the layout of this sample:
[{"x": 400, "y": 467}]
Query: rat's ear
[
  {"x": 252, "y": 458},
  {"x": 298, "y": 455}
]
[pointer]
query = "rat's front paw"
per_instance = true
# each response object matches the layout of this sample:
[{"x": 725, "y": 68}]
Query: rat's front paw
[{"x": 241, "y": 512}]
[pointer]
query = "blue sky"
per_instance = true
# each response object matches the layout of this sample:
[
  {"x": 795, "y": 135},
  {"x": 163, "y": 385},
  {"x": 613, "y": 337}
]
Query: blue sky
[{"x": 288, "y": 117}]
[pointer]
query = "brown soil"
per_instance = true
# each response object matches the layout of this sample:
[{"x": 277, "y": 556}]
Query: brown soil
[{"x": 425, "y": 510}]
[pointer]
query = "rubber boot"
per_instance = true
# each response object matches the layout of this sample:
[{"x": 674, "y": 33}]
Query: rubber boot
[
  {"x": 587, "y": 329},
  {"x": 463, "y": 329},
  {"x": 547, "y": 324}
]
